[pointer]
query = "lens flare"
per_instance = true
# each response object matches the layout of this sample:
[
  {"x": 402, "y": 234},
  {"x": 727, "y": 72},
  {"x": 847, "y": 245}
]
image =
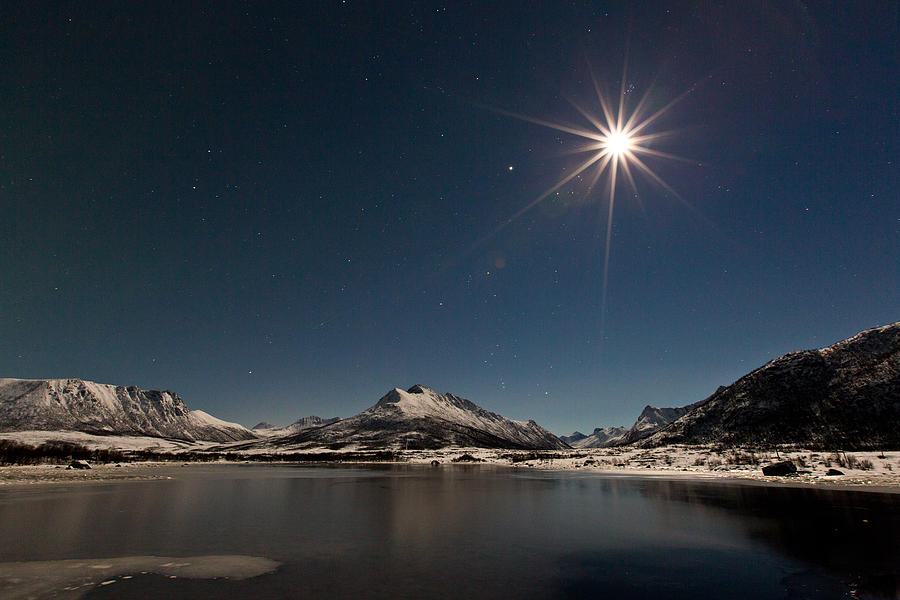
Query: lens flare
[{"x": 620, "y": 139}]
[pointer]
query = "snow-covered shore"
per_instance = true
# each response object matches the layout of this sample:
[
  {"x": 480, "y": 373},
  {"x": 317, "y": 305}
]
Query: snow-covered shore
[
  {"x": 860, "y": 470},
  {"x": 871, "y": 469}
]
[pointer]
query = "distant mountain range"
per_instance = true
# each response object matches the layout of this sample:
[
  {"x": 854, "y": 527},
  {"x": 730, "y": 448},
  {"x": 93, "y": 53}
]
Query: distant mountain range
[
  {"x": 421, "y": 418},
  {"x": 602, "y": 437},
  {"x": 844, "y": 396},
  {"x": 417, "y": 418},
  {"x": 269, "y": 430},
  {"x": 651, "y": 419},
  {"x": 78, "y": 405}
]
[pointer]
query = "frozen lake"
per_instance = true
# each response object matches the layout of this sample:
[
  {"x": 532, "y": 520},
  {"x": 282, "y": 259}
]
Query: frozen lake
[{"x": 446, "y": 532}]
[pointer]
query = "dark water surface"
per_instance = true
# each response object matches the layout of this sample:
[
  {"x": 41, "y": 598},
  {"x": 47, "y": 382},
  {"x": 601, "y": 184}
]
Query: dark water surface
[{"x": 467, "y": 532}]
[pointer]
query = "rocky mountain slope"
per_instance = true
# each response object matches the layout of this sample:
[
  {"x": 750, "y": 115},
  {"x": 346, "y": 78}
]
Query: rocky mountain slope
[
  {"x": 78, "y": 405},
  {"x": 844, "y": 396},
  {"x": 422, "y": 418}
]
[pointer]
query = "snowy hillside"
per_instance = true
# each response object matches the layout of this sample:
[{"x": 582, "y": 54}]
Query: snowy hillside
[
  {"x": 78, "y": 405},
  {"x": 269, "y": 430},
  {"x": 846, "y": 395},
  {"x": 423, "y": 418}
]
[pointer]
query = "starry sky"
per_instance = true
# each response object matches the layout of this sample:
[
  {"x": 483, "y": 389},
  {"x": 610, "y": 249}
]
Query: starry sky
[{"x": 286, "y": 209}]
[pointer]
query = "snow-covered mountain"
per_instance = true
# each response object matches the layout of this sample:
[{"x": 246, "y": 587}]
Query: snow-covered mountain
[
  {"x": 575, "y": 436},
  {"x": 843, "y": 396},
  {"x": 422, "y": 418},
  {"x": 602, "y": 437},
  {"x": 269, "y": 430},
  {"x": 78, "y": 405},
  {"x": 651, "y": 419}
]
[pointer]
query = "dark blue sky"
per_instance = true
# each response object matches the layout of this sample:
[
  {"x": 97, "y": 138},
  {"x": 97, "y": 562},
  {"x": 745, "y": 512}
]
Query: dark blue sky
[{"x": 287, "y": 210}]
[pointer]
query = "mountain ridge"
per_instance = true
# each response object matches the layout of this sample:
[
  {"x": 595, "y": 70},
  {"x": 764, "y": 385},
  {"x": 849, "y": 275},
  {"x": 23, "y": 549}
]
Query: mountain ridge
[
  {"x": 843, "y": 395},
  {"x": 601, "y": 437},
  {"x": 80, "y": 405},
  {"x": 420, "y": 418}
]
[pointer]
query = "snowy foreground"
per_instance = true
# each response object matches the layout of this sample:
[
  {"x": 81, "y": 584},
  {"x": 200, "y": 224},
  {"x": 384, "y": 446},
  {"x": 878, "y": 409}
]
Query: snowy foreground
[{"x": 867, "y": 470}]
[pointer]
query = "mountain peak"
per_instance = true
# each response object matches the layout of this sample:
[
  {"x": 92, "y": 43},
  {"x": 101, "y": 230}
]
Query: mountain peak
[
  {"x": 392, "y": 397},
  {"x": 417, "y": 395},
  {"x": 423, "y": 418},
  {"x": 419, "y": 389}
]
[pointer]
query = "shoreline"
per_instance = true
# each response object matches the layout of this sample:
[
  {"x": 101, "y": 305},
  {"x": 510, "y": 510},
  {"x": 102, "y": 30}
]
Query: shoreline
[{"x": 674, "y": 463}]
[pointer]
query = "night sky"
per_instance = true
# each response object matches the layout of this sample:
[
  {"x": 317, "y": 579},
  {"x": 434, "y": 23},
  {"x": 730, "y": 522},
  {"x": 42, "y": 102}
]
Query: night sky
[{"x": 286, "y": 210}]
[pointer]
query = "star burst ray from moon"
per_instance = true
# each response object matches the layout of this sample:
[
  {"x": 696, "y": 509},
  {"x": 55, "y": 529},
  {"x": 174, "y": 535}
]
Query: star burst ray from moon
[{"x": 619, "y": 141}]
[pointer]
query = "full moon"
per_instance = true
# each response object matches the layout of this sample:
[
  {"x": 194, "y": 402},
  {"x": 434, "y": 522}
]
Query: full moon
[
  {"x": 618, "y": 142},
  {"x": 615, "y": 142}
]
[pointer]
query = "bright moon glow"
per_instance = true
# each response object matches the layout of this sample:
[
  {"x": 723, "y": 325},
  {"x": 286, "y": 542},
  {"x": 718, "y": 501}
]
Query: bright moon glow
[
  {"x": 615, "y": 142},
  {"x": 618, "y": 143}
]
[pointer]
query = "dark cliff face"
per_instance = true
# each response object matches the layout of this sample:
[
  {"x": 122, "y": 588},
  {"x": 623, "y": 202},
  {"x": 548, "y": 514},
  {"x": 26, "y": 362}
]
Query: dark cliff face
[{"x": 844, "y": 396}]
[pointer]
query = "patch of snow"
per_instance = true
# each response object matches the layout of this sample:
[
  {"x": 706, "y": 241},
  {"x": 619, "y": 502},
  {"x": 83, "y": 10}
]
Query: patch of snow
[
  {"x": 204, "y": 418},
  {"x": 102, "y": 442}
]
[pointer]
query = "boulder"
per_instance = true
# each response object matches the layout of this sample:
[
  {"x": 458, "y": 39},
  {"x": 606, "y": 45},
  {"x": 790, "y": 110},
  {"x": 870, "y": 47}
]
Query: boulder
[
  {"x": 466, "y": 458},
  {"x": 79, "y": 464},
  {"x": 784, "y": 467},
  {"x": 834, "y": 472}
]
